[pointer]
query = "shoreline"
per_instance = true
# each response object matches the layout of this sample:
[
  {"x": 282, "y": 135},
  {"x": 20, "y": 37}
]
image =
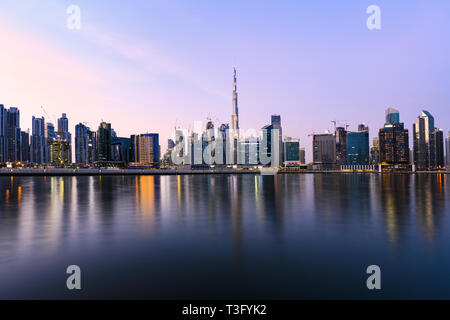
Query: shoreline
[{"x": 167, "y": 172}]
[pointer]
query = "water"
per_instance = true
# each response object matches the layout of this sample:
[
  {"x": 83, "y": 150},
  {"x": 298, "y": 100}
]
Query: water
[{"x": 225, "y": 236}]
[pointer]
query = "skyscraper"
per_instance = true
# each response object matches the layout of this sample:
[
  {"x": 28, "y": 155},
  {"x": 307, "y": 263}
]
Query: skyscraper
[
  {"x": 302, "y": 156},
  {"x": 50, "y": 132},
  {"x": 447, "y": 149},
  {"x": 394, "y": 143},
  {"x": 63, "y": 125},
  {"x": 13, "y": 135},
  {"x": 358, "y": 147},
  {"x": 341, "y": 145},
  {"x": 64, "y": 134},
  {"x": 146, "y": 150},
  {"x": 38, "y": 152},
  {"x": 438, "y": 140},
  {"x": 266, "y": 141},
  {"x": 392, "y": 116},
  {"x": 276, "y": 124},
  {"x": 25, "y": 146},
  {"x": 423, "y": 147},
  {"x": 120, "y": 149},
  {"x": 92, "y": 154},
  {"x": 104, "y": 142},
  {"x": 59, "y": 152},
  {"x": 81, "y": 144},
  {"x": 3, "y": 144},
  {"x": 291, "y": 152},
  {"x": 235, "y": 116},
  {"x": 375, "y": 151},
  {"x": 324, "y": 150}
]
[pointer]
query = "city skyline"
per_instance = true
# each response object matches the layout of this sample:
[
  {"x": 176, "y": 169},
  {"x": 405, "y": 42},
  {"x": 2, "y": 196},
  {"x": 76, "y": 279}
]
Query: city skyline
[{"x": 131, "y": 75}]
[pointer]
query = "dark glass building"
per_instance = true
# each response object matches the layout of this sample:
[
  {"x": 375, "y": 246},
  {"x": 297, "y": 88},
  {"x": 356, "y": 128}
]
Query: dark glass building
[
  {"x": 438, "y": 139},
  {"x": 291, "y": 151},
  {"x": 341, "y": 145},
  {"x": 121, "y": 149},
  {"x": 25, "y": 146},
  {"x": 13, "y": 135},
  {"x": 358, "y": 148},
  {"x": 38, "y": 152},
  {"x": 81, "y": 144},
  {"x": 393, "y": 141},
  {"x": 3, "y": 149},
  {"x": 104, "y": 142}
]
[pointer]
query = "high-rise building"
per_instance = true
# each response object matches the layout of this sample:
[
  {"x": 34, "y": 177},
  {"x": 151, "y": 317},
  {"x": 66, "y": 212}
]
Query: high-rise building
[
  {"x": 25, "y": 146},
  {"x": 375, "y": 151},
  {"x": 392, "y": 116},
  {"x": 170, "y": 144},
  {"x": 302, "y": 156},
  {"x": 3, "y": 144},
  {"x": 266, "y": 141},
  {"x": 13, "y": 135},
  {"x": 59, "y": 152},
  {"x": 362, "y": 127},
  {"x": 81, "y": 144},
  {"x": 63, "y": 125},
  {"x": 291, "y": 152},
  {"x": 394, "y": 142},
  {"x": 276, "y": 124},
  {"x": 50, "y": 132},
  {"x": 358, "y": 147},
  {"x": 145, "y": 149},
  {"x": 120, "y": 149},
  {"x": 447, "y": 149},
  {"x": 92, "y": 154},
  {"x": 324, "y": 150},
  {"x": 224, "y": 134},
  {"x": 38, "y": 152},
  {"x": 104, "y": 142},
  {"x": 341, "y": 145},
  {"x": 64, "y": 134},
  {"x": 248, "y": 152},
  {"x": 438, "y": 140},
  {"x": 423, "y": 147},
  {"x": 235, "y": 116}
]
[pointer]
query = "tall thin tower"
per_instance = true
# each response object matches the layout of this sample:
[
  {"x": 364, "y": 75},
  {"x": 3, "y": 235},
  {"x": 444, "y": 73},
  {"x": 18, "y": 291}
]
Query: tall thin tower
[{"x": 235, "y": 116}]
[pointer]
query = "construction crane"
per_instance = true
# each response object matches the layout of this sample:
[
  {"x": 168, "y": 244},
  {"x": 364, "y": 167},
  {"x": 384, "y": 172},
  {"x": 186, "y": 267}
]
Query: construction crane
[
  {"x": 46, "y": 114},
  {"x": 335, "y": 122}
]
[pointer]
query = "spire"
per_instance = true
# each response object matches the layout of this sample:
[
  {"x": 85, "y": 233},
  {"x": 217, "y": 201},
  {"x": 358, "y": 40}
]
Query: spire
[{"x": 235, "y": 116}]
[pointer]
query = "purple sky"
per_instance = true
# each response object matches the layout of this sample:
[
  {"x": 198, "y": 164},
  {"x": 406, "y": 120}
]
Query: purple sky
[{"x": 146, "y": 66}]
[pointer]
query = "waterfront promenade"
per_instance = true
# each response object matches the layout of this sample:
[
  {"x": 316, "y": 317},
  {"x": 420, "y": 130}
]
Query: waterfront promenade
[{"x": 118, "y": 172}]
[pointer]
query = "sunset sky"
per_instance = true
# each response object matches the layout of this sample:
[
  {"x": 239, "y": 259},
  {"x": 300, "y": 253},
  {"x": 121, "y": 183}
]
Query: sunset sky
[{"x": 146, "y": 66}]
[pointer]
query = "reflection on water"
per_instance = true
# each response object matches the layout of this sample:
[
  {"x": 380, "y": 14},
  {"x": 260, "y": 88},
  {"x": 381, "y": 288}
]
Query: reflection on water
[{"x": 228, "y": 236}]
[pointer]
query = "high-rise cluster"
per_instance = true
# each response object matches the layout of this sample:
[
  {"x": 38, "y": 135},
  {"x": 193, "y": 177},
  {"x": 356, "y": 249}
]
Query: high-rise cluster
[
  {"x": 14, "y": 143},
  {"x": 227, "y": 145},
  {"x": 50, "y": 147},
  {"x": 428, "y": 144},
  {"x": 390, "y": 150}
]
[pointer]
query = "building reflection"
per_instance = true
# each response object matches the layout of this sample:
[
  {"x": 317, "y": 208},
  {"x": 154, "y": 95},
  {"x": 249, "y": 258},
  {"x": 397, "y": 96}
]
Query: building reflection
[
  {"x": 343, "y": 198},
  {"x": 148, "y": 199},
  {"x": 395, "y": 204},
  {"x": 429, "y": 203}
]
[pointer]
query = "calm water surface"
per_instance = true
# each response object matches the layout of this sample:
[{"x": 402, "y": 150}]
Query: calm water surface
[{"x": 225, "y": 236}]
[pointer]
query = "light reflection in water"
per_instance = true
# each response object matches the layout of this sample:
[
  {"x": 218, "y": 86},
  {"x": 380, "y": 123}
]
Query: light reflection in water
[{"x": 250, "y": 217}]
